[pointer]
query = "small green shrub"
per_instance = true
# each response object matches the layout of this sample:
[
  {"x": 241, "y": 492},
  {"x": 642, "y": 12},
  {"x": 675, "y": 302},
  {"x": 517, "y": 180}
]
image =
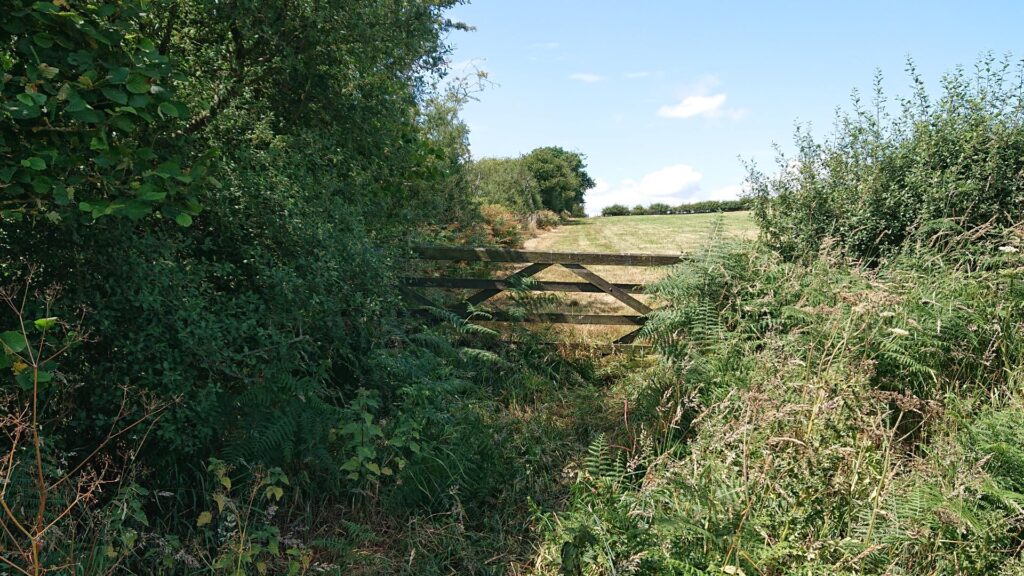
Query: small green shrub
[
  {"x": 615, "y": 210},
  {"x": 546, "y": 219}
]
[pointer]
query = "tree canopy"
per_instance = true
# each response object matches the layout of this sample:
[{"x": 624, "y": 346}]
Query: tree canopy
[{"x": 562, "y": 178}]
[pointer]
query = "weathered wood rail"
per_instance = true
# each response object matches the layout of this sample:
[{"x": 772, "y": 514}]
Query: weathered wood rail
[{"x": 575, "y": 262}]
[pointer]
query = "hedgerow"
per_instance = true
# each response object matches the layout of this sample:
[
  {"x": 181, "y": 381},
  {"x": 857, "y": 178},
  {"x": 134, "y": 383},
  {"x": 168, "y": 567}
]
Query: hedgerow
[{"x": 885, "y": 178}]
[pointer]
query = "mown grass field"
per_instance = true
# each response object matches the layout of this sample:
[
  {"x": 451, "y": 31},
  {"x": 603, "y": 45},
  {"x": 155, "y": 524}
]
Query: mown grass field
[
  {"x": 647, "y": 234},
  {"x": 653, "y": 234}
]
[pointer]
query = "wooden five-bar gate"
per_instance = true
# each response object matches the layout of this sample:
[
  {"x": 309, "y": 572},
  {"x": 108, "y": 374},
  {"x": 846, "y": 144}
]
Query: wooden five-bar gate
[{"x": 575, "y": 262}]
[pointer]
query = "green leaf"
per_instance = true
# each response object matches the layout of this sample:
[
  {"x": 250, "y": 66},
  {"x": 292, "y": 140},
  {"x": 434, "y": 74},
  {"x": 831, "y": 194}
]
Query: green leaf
[
  {"x": 13, "y": 341},
  {"x": 26, "y": 113},
  {"x": 167, "y": 109},
  {"x": 118, "y": 75},
  {"x": 46, "y": 323},
  {"x": 43, "y": 39},
  {"x": 183, "y": 219},
  {"x": 137, "y": 85},
  {"x": 48, "y": 71},
  {"x": 26, "y": 99},
  {"x": 149, "y": 193},
  {"x": 47, "y": 7},
  {"x": 76, "y": 104},
  {"x": 88, "y": 116},
  {"x": 35, "y": 163},
  {"x": 204, "y": 518},
  {"x": 115, "y": 95}
]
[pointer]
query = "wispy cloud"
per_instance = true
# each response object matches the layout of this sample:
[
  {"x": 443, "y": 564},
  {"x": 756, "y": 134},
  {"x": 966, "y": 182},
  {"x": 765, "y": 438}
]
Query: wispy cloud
[
  {"x": 676, "y": 184},
  {"x": 587, "y": 77},
  {"x": 701, "y": 100},
  {"x": 694, "y": 106}
]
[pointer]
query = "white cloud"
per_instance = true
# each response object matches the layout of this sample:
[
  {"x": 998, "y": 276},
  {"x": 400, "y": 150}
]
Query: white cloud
[
  {"x": 694, "y": 106},
  {"x": 700, "y": 100},
  {"x": 677, "y": 184},
  {"x": 726, "y": 192},
  {"x": 587, "y": 77}
]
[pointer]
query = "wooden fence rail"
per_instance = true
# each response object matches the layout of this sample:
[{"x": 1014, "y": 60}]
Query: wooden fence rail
[{"x": 576, "y": 262}]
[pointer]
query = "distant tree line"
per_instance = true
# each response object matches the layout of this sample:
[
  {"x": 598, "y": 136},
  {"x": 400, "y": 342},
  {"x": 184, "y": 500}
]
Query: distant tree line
[{"x": 659, "y": 208}]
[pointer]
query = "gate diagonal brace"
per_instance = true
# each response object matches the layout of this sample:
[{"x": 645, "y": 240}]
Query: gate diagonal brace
[
  {"x": 616, "y": 292},
  {"x": 609, "y": 288},
  {"x": 483, "y": 295}
]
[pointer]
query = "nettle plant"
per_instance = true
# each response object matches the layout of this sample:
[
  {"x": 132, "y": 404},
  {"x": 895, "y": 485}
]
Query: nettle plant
[{"x": 87, "y": 112}]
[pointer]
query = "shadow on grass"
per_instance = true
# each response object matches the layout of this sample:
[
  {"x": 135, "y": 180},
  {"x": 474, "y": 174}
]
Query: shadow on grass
[{"x": 517, "y": 435}]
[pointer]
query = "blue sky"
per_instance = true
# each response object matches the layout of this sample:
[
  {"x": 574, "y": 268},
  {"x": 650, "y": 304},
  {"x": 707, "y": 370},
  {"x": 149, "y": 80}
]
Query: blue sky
[{"x": 664, "y": 97}]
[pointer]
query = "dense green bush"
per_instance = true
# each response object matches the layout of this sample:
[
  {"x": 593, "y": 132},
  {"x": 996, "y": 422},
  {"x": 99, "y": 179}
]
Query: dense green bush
[
  {"x": 235, "y": 254},
  {"x": 615, "y": 210},
  {"x": 508, "y": 182},
  {"x": 561, "y": 177},
  {"x": 884, "y": 179}
]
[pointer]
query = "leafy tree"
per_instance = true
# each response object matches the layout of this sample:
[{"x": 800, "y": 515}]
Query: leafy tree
[
  {"x": 87, "y": 114},
  {"x": 262, "y": 318},
  {"x": 506, "y": 181},
  {"x": 562, "y": 178}
]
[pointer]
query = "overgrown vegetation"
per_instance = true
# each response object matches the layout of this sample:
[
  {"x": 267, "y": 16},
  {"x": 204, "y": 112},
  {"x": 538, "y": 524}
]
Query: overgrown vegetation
[
  {"x": 211, "y": 200},
  {"x": 845, "y": 397},
  {"x": 207, "y": 368},
  {"x": 885, "y": 177}
]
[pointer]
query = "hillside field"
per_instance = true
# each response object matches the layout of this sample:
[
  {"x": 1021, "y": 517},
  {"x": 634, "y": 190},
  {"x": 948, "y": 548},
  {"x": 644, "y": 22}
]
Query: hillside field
[{"x": 653, "y": 234}]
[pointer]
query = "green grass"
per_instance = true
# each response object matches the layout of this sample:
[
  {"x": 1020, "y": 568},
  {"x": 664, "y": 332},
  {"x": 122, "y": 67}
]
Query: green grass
[{"x": 654, "y": 234}]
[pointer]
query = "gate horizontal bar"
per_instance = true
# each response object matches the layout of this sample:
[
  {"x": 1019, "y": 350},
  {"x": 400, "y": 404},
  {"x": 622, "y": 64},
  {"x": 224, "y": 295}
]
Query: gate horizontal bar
[
  {"x": 551, "y": 318},
  {"x": 468, "y": 254},
  {"x": 535, "y": 285}
]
